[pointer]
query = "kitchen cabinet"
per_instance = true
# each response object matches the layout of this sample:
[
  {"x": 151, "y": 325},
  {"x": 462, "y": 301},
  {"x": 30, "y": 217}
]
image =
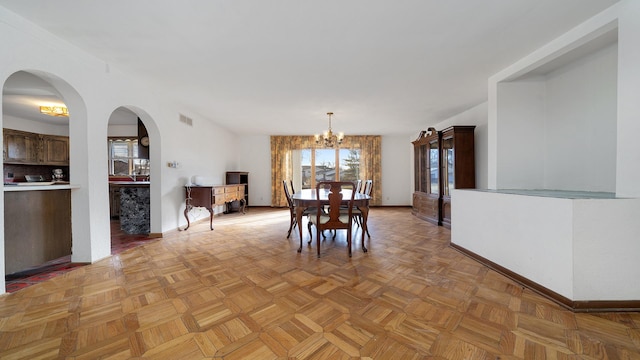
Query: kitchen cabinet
[
  {"x": 114, "y": 201},
  {"x": 22, "y": 147},
  {"x": 55, "y": 150},
  {"x": 37, "y": 227}
]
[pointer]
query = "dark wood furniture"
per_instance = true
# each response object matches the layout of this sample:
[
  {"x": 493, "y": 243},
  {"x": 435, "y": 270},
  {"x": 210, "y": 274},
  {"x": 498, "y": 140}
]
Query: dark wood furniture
[
  {"x": 238, "y": 177},
  {"x": 339, "y": 214},
  {"x": 211, "y": 196},
  {"x": 37, "y": 227},
  {"x": 443, "y": 160},
  {"x": 23, "y": 147},
  {"x": 143, "y": 141},
  {"x": 292, "y": 210},
  {"x": 307, "y": 198},
  {"x": 357, "y": 213},
  {"x": 458, "y": 165},
  {"x": 426, "y": 195}
]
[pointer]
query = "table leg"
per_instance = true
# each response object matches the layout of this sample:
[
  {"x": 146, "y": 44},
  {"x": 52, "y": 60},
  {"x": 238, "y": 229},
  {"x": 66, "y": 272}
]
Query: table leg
[
  {"x": 299, "y": 212},
  {"x": 186, "y": 215},
  {"x": 210, "y": 217},
  {"x": 365, "y": 215}
]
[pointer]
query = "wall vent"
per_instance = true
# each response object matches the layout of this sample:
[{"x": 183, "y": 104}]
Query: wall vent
[{"x": 185, "y": 119}]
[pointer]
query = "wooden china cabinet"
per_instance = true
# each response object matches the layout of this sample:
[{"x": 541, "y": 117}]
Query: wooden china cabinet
[
  {"x": 443, "y": 160},
  {"x": 458, "y": 165},
  {"x": 426, "y": 196}
]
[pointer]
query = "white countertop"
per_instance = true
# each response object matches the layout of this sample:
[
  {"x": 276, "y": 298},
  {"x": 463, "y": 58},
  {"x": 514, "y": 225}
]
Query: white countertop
[
  {"x": 141, "y": 183},
  {"x": 40, "y": 187}
]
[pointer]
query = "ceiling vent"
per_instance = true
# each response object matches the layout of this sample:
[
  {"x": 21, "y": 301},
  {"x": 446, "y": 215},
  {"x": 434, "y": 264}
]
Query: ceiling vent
[{"x": 185, "y": 119}]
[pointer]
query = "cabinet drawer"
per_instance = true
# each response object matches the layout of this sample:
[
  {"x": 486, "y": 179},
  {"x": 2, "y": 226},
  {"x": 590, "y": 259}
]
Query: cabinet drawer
[
  {"x": 218, "y": 190},
  {"x": 219, "y": 199}
]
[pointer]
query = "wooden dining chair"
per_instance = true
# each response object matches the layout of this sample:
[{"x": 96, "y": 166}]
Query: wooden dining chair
[
  {"x": 292, "y": 210},
  {"x": 357, "y": 213},
  {"x": 358, "y": 185},
  {"x": 334, "y": 218}
]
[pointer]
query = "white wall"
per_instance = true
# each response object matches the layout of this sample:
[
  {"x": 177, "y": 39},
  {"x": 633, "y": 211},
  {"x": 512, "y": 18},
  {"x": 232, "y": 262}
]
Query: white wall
[
  {"x": 521, "y": 134},
  {"x": 92, "y": 90},
  {"x": 581, "y": 249},
  {"x": 558, "y": 130},
  {"x": 475, "y": 116},
  {"x": 580, "y": 131},
  {"x": 606, "y": 233},
  {"x": 122, "y": 130},
  {"x": 254, "y": 156},
  {"x": 531, "y": 236},
  {"x": 628, "y": 151},
  {"x": 397, "y": 169},
  {"x": 12, "y": 122}
]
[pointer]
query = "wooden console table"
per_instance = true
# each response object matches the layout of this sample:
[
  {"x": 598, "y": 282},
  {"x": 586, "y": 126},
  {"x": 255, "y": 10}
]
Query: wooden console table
[{"x": 210, "y": 196}]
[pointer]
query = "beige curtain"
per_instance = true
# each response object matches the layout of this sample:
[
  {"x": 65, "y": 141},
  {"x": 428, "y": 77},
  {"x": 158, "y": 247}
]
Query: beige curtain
[{"x": 282, "y": 167}]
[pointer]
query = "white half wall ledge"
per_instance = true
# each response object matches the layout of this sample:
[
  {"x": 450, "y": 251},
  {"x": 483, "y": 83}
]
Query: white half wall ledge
[{"x": 557, "y": 246}]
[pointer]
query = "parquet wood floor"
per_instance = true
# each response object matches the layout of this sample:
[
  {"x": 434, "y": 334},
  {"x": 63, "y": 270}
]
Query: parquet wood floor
[{"x": 243, "y": 292}]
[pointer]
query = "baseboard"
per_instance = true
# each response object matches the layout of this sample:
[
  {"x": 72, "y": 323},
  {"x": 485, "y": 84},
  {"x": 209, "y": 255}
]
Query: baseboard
[
  {"x": 155, "y": 235},
  {"x": 575, "y": 306}
]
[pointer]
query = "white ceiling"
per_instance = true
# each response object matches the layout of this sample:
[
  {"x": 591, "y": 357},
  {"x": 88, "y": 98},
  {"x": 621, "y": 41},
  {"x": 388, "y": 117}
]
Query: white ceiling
[{"x": 277, "y": 67}]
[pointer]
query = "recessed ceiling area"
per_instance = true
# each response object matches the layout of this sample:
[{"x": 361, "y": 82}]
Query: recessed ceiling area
[
  {"x": 277, "y": 67},
  {"x": 23, "y": 94}
]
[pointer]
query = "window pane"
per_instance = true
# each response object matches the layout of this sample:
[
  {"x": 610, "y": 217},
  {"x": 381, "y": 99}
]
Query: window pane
[
  {"x": 123, "y": 158},
  {"x": 325, "y": 165},
  {"x": 141, "y": 166},
  {"x": 120, "y": 167},
  {"x": 349, "y": 164},
  {"x": 134, "y": 149},
  {"x": 120, "y": 149},
  {"x": 305, "y": 167}
]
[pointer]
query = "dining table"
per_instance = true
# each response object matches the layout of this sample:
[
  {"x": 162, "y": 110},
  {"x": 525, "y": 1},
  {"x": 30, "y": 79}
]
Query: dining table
[{"x": 307, "y": 198}]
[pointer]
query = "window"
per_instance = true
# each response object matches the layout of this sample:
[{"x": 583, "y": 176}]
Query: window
[
  {"x": 320, "y": 165},
  {"x": 123, "y": 158},
  {"x": 297, "y": 158}
]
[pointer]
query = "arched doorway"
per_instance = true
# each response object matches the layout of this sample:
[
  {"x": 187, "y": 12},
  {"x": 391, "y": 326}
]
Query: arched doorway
[
  {"x": 43, "y": 144},
  {"x": 129, "y": 173}
]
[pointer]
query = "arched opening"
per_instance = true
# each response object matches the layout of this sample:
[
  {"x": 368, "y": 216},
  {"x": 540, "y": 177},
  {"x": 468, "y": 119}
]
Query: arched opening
[
  {"x": 36, "y": 148},
  {"x": 130, "y": 145}
]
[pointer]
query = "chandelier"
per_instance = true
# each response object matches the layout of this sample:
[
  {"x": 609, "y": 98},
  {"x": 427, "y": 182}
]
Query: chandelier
[
  {"x": 54, "y": 110},
  {"x": 328, "y": 139}
]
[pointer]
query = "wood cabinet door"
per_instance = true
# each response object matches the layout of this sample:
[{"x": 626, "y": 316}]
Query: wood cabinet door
[
  {"x": 20, "y": 147},
  {"x": 55, "y": 150}
]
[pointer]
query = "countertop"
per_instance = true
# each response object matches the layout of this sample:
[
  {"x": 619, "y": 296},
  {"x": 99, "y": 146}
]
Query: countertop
[
  {"x": 130, "y": 183},
  {"x": 45, "y": 186}
]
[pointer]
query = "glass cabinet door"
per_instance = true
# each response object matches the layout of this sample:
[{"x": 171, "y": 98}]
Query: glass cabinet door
[
  {"x": 416, "y": 167},
  {"x": 448, "y": 172},
  {"x": 434, "y": 176},
  {"x": 423, "y": 168}
]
